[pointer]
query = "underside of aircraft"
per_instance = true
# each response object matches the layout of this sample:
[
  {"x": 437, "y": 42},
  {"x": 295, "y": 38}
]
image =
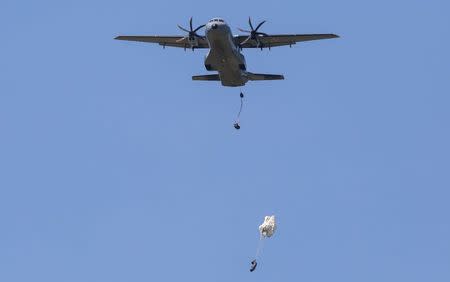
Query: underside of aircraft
[{"x": 224, "y": 56}]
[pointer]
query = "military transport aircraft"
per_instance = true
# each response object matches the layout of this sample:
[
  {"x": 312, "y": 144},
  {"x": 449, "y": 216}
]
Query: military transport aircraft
[{"x": 224, "y": 54}]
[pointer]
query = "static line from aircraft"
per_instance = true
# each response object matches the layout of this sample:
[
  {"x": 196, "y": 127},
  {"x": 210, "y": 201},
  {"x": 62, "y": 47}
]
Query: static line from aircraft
[{"x": 224, "y": 54}]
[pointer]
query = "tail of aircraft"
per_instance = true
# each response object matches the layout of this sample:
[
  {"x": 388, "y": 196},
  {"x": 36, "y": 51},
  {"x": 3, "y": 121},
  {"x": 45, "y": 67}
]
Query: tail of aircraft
[
  {"x": 248, "y": 75},
  {"x": 210, "y": 77},
  {"x": 263, "y": 76}
]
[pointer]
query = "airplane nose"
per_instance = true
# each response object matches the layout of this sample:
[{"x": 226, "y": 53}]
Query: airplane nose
[{"x": 214, "y": 26}]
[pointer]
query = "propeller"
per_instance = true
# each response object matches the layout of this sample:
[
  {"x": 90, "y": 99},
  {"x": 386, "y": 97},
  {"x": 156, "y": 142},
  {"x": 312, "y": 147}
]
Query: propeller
[
  {"x": 192, "y": 33},
  {"x": 254, "y": 33}
]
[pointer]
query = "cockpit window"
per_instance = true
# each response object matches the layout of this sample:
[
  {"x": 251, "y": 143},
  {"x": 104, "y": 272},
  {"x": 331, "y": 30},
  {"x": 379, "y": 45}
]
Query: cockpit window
[{"x": 216, "y": 20}]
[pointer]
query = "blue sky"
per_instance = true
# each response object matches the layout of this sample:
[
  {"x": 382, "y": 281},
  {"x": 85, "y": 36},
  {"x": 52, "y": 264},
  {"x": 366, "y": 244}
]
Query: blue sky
[{"x": 115, "y": 166}]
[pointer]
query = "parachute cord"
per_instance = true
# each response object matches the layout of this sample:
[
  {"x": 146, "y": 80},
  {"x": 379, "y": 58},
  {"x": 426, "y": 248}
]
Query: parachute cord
[
  {"x": 240, "y": 109},
  {"x": 260, "y": 246}
]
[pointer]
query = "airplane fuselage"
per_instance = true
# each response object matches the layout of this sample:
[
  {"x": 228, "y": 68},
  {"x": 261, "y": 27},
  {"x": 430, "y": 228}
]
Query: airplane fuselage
[{"x": 224, "y": 56}]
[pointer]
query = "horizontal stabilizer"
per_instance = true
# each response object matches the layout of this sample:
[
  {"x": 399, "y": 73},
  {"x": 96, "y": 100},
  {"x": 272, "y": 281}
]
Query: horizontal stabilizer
[
  {"x": 262, "y": 76},
  {"x": 214, "y": 77}
]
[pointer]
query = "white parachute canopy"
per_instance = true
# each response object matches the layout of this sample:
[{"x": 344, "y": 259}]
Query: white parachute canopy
[
  {"x": 266, "y": 230},
  {"x": 268, "y": 227}
]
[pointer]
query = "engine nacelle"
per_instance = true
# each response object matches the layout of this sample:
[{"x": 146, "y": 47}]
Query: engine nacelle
[{"x": 193, "y": 41}]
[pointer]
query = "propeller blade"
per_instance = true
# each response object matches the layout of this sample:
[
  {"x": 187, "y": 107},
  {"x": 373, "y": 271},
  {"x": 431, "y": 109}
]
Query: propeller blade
[
  {"x": 250, "y": 23},
  {"x": 260, "y": 24},
  {"x": 191, "y": 34},
  {"x": 243, "y": 30},
  {"x": 202, "y": 26},
  {"x": 182, "y": 28},
  {"x": 258, "y": 43},
  {"x": 246, "y": 40},
  {"x": 181, "y": 39}
]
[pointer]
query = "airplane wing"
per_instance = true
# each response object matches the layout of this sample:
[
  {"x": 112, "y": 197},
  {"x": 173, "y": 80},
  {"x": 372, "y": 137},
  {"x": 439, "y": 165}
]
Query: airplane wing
[
  {"x": 280, "y": 40},
  {"x": 171, "y": 41}
]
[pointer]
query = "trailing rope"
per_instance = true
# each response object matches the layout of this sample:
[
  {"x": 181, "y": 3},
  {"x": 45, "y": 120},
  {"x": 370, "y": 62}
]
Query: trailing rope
[{"x": 236, "y": 124}]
